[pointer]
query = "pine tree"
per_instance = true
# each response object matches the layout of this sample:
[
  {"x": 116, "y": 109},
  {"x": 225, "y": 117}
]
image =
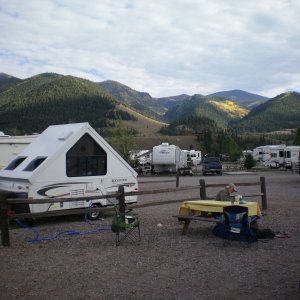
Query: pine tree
[
  {"x": 297, "y": 137},
  {"x": 249, "y": 161},
  {"x": 121, "y": 139},
  {"x": 230, "y": 147}
]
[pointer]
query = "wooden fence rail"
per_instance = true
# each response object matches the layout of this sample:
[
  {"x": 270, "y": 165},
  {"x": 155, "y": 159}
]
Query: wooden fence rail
[
  {"x": 6, "y": 215},
  {"x": 261, "y": 183}
]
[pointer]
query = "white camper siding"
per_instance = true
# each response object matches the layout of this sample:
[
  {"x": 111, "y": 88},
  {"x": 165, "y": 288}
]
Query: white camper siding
[
  {"x": 50, "y": 178},
  {"x": 168, "y": 158},
  {"x": 269, "y": 154},
  {"x": 195, "y": 157},
  {"x": 164, "y": 154},
  {"x": 11, "y": 146},
  {"x": 291, "y": 156},
  {"x": 277, "y": 155}
]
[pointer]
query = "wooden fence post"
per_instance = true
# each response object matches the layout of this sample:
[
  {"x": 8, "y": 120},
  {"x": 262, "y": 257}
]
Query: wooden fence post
[
  {"x": 121, "y": 199},
  {"x": 264, "y": 193},
  {"x": 4, "y": 221},
  {"x": 177, "y": 179},
  {"x": 299, "y": 162},
  {"x": 202, "y": 189}
]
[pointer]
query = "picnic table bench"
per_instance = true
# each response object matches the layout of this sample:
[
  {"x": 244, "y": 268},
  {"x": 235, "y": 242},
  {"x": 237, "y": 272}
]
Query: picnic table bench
[{"x": 187, "y": 220}]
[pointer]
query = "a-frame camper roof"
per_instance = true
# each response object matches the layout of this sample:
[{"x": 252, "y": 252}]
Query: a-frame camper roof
[{"x": 50, "y": 145}]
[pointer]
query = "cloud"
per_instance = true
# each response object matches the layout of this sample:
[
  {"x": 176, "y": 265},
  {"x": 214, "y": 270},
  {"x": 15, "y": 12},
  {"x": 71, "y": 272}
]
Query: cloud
[{"x": 164, "y": 48}]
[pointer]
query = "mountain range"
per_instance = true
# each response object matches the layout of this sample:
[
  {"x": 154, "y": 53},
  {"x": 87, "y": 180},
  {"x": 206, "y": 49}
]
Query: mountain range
[
  {"x": 32, "y": 104},
  {"x": 249, "y": 100}
]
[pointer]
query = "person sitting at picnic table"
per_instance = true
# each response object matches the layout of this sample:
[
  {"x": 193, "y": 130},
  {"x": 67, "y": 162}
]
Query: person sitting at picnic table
[{"x": 224, "y": 194}]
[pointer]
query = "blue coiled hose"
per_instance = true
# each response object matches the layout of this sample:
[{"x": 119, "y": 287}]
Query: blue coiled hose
[{"x": 37, "y": 238}]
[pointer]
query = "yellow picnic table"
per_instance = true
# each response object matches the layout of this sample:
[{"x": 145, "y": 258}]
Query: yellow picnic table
[
  {"x": 212, "y": 206},
  {"x": 206, "y": 210}
]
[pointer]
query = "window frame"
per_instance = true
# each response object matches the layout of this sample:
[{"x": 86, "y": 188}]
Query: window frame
[{"x": 79, "y": 164}]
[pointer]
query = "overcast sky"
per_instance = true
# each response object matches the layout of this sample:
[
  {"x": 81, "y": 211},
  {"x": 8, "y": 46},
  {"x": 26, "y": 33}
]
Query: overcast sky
[{"x": 163, "y": 47}]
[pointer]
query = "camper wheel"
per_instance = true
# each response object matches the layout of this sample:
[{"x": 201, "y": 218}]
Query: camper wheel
[
  {"x": 30, "y": 222},
  {"x": 95, "y": 215}
]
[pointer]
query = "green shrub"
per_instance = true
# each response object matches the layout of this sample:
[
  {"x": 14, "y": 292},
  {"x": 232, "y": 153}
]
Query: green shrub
[{"x": 249, "y": 161}]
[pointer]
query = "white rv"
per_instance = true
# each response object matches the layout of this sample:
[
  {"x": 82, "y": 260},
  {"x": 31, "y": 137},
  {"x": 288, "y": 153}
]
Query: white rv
[
  {"x": 11, "y": 146},
  {"x": 276, "y": 156},
  {"x": 270, "y": 155},
  {"x": 70, "y": 160},
  {"x": 194, "y": 156},
  {"x": 144, "y": 157},
  {"x": 291, "y": 156},
  {"x": 168, "y": 158}
]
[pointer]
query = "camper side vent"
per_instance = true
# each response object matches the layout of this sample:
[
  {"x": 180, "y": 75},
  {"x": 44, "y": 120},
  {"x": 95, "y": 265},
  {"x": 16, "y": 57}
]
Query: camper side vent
[{"x": 78, "y": 192}]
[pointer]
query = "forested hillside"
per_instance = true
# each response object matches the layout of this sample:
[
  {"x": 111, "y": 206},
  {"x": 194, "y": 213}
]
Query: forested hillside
[
  {"x": 249, "y": 100},
  {"x": 31, "y": 105},
  {"x": 6, "y": 81},
  {"x": 169, "y": 102},
  {"x": 281, "y": 112},
  {"x": 35, "y": 103},
  {"x": 221, "y": 111},
  {"x": 139, "y": 101},
  {"x": 192, "y": 125}
]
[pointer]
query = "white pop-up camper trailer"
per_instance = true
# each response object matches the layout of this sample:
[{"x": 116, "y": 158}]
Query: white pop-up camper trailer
[
  {"x": 11, "y": 146},
  {"x": 168, "y": 158},
  {"x": 70, "y": 160}
]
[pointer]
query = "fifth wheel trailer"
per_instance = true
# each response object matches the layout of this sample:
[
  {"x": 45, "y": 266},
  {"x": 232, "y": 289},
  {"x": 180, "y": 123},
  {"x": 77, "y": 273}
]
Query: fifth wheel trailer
[
  {"x": 168, "y": 158},
  {"x": 71, "y": 161}
]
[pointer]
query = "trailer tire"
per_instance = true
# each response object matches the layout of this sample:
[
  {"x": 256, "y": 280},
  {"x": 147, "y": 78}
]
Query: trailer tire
[
  {"x": 93, "y": 216},
  {"x": 30, "y": 222}
]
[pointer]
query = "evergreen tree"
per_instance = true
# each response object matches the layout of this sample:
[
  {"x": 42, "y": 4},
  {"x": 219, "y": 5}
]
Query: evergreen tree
[
  {"x": 249, "y": 161},
  {"x": 121, "y": 139},
  {"x": 297, "y": 137},
  {"x": 230, "y": 147},
  {"x": 207, "y": 141}
]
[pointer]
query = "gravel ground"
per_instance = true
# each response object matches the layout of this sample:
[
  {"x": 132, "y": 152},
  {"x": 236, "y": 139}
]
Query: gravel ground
[{"x": 165, "y": 264}]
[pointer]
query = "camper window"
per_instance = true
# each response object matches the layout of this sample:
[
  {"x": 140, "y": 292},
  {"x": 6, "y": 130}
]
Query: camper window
[
  {"x": 86, "y": 158},
  {"x": 16, "y": 162},
  {"x": 34, "y": 163}
]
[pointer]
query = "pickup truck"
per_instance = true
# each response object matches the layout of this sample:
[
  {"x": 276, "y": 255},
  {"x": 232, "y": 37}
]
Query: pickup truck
[{"x": 211, "y": 165}]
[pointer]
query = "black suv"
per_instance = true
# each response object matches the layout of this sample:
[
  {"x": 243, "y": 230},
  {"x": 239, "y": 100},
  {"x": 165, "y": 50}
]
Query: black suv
[{"x": 211, "y": 165}]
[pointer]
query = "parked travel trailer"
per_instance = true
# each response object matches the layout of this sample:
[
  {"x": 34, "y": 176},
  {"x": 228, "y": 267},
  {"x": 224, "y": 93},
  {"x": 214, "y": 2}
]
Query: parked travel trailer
[
  {"x": 70, "y": 160},
  {"x": 276, "y": 156},
  {"x": 194, "y": 156},
  {"x": 269, "y": 155},
  {"x": 168, "y": 158},
  {"x": 11, "y": 146},
  {"x": 291, "y": 156},
  {"x": 143, "y": 157}
]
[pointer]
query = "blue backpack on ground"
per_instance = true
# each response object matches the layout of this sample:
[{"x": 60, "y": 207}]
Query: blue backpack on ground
[{"x": 236, "y": 225}]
